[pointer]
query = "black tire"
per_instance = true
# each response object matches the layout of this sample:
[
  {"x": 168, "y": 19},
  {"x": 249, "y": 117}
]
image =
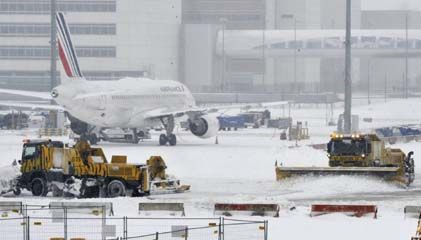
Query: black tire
[
  {"x": 163, "y": 139},
  {"x": 17, "y": 191},
  {"x": 128, "y": 138},
  {"x": 172, "y": 140},
  {"x": 39, "y": 187},
  {"x": 116, "y": 188},
  {"x": 57, "y": 192},
  {"x": 135, "y": 139},
  {"x": 136, "y": 193}
]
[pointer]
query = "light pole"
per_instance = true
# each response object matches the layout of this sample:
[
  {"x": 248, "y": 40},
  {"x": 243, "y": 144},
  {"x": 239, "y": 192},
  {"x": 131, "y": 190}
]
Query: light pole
[
  {"x": 264, "y": 58},
  {"x": 348, "y": 81},
  {"x": 406, "y": 54},
  {"x": 223, "y": 21},
  {"x": 53, "y": 53},
  {"x": 295, "y": 54},
  {"x": 292, "y": 16},
  {"x": 368, "y": 82},
  {"x": 385, "y": 88}
]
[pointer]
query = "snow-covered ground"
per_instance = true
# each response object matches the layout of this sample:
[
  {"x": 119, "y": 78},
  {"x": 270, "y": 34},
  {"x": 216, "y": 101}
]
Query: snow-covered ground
[{"x": 241, "y": 169}]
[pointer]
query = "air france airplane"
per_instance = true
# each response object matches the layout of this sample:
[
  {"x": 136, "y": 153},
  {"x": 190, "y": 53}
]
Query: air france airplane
[{"x": 135, "y": 103}]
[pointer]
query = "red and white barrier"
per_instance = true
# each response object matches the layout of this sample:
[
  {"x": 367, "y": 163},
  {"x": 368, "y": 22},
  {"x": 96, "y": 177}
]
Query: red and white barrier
[
  {"x": 228, "y": 209},
  {"x": 354, "y": 210}
]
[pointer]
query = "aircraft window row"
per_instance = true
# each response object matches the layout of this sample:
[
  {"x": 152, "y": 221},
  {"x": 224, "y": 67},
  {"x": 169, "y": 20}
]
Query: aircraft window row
[
  {"x": 154, "y": 96},
  {"x": 37, "y": 29},
  {"x": 43, "y": 6},
  {"x": 36, "y": 52}
]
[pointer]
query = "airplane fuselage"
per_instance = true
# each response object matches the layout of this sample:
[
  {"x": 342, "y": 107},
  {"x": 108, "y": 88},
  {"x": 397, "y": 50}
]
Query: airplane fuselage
[{"x": 125, "y": 103}]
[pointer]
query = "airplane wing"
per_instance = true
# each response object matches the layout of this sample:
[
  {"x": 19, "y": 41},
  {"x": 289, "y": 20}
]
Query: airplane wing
[
  {"x": 42, "y": 95},
  {"x": 32, "y": 106},
  {"x": 202, "y": 110}
]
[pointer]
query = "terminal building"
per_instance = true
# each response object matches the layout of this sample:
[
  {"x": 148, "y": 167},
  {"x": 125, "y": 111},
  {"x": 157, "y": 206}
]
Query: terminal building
[
  {"x": 113, "y": 39},
  {"x": 227, "y": 65},
  {"x": 250, "y": 46}
]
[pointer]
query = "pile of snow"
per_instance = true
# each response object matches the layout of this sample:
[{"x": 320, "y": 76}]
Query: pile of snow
[
  {"x": 7, "y": 176},
  {"x": 313, "y": 186}
]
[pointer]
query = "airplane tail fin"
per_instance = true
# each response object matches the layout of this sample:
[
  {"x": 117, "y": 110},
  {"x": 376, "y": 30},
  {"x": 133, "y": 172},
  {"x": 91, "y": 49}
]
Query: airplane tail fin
[{"x": 66, "y": 50}]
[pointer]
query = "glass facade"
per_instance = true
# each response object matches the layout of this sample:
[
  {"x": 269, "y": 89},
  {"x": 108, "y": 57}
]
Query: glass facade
[
  {"x": 43, "y": 52},
  {"x": 40, "y": 80},
  {"x": 26, "y": 80},
  {"x": 43, "y": 29},
  {"x": 43, "y": 6},
  {"x": 234, "y": 14}
]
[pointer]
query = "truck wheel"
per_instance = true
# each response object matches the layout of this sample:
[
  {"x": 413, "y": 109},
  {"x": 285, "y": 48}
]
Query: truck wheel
[
  {"x": 39, "y": 187},
  {"x": 17, "y": 191},
  {"x": 57, "y": 192},
  {"x": 116, "y": 188}
]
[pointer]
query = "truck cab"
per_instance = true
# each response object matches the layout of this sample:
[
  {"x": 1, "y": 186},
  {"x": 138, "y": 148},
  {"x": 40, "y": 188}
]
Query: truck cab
[{"x": 366, "y": 150}]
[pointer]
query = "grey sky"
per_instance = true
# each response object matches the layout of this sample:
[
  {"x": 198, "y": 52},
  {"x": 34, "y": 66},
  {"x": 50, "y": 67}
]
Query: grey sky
[{"x": 391, "y": 4}]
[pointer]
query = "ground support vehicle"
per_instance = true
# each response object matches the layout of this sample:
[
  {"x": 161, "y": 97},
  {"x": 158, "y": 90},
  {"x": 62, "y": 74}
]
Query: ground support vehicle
[
  {"x": 83, "y": 171},
  {"x": 357, "y": 154},
  {"x": 226, "y": 123}
]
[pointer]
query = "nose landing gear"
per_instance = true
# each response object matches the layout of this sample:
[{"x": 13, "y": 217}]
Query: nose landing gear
[{"x": 169, "y": 137}]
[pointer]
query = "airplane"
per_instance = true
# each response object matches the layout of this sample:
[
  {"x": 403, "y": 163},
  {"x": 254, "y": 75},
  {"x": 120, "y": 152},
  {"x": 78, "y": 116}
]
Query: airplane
[{"x": 132, "y": 103}]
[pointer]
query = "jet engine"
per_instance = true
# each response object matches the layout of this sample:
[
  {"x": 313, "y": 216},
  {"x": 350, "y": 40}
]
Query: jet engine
[{"x": 205, "y": 126}]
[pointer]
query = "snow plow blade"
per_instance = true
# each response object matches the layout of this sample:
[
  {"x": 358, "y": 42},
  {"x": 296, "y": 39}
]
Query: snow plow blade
[
  {"x": 168, "y": 186},
  {"x": 387, "y": 173}
]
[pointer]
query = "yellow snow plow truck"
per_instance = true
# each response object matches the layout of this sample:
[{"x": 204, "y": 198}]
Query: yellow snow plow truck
[
  {"x": 83, "y": 171},
  {"x": 357, "y": 154}
]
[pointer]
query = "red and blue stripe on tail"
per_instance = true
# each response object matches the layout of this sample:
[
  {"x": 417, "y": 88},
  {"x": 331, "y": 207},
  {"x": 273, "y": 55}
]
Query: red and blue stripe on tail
[{"x": 66, "y": 50}]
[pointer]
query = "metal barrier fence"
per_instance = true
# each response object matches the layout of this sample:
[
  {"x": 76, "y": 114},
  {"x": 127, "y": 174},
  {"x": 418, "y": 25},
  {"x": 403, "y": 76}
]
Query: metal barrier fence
[{"x": 71, "y": 223}]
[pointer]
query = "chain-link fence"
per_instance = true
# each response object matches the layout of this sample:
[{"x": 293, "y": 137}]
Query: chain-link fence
[
  {"x": 36, "y": 222},
  {"x": 194, "y": 229}
]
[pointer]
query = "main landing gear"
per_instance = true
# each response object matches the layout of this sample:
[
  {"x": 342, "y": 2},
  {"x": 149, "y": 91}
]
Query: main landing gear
[{"x": 169, "y": 125}]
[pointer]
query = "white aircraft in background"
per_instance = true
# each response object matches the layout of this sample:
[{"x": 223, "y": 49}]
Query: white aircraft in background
[{"x": 135, "y": 103}]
